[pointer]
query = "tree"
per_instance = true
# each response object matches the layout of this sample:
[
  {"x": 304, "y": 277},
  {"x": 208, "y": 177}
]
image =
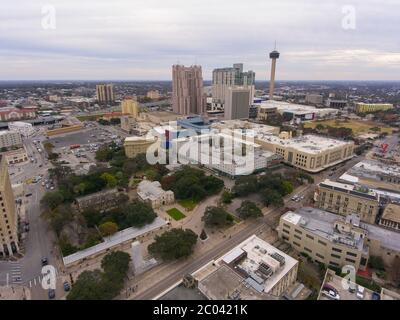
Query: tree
[
  {"x": 218, "y": 217},
  {"x": 272, "y": 197},
  {"x": 52, "y": 199},
  {"x": 249, "y": 209},
  {"x": 92, "y": 217},
  {"x": 89, "y": 286},
  {"x": 376, "y": 262},
  {"x": 245, "y": 185},
  {"x": 108, "y": 228},
  {"x": 174, "y": 244},
  {"x": 287, "y": 187},
  {"x": 116, "y": 264},
  {"x": 227, "y": 197},
  {"x": 109, "y": 179},
  {"x": 59, "y": 217},
  {"x": 320, "y": 126},
  {"x": 211, "y": 184},
  {"x": 104, "y": 153},
  {"x": 138, "y": 214},
  {"x": 203, "y": 235}
]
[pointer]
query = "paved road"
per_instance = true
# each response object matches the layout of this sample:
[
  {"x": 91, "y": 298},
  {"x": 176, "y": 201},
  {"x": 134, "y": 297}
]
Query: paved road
[{"x": 39, "y": 241}]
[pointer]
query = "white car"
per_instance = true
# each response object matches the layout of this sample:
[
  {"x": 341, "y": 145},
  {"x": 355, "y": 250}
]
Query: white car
[{"x": 360, "y": 292}]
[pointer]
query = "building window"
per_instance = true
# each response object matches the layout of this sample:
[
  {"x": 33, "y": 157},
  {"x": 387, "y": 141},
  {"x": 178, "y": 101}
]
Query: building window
[
  {"x": 320, "y": 256},
  {"x": 310, "y": 237},
  {"x": 297, "y": 244},
  {"x": 298, "y": 231},
  {"x": 308, "y": 250},
  {"x": 335, "y": 256},
  {"x": 336, "y": 249},
  {"x": 351, "y": 254},
  {"x": 334, "y": 264},
  {"x": 350, "y": 260},
  {"x": 285, "y": 231},
  {"x": 297, "y": 237},
  {"x": 321, "y": 242}
]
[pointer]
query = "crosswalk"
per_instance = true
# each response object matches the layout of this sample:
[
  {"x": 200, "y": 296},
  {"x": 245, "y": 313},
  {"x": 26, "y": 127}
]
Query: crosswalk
[
  {"x": 37, "y": 281},
  {"x": 15, "y": 274}
]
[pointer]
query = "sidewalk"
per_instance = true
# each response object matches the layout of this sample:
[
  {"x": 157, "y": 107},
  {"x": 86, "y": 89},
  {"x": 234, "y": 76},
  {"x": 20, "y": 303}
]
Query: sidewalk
[{"x": 14, "y": 293}]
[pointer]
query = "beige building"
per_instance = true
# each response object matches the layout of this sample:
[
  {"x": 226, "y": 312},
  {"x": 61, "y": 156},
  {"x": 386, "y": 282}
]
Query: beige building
[
  {"x": 127, "y": 123},
  {"x": 153, "y": 94},
  {"x": 391, "y": 217},
  {"x": 130, "y": 106},
  {"x": 310, "y": 152},
  {"x": 253, "y": 270},
  {"x": 326, "y": 238},
  {"x": 8, "y": 215},
  {"x": 336, "y": 240},
  {"x": 16, "y": 156},
  {"x": 265, "y": 111},
  {"x": 152, "y": 193},
  {"x": 105, "y": 93},
  {"x": 347, "y": 199},
  {"x": 137, "y": 145},
  {"x": 237, "y": 103},
  {"x": 372, "y": 107},
  {"x": 10, "y": 139}
]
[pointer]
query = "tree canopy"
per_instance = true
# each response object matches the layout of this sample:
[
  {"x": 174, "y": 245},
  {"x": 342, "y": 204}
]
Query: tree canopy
[
  {"x": 174, "y": 244},
  {"x": 249, "y": 209},
  {"x": 216, "y": 217}
]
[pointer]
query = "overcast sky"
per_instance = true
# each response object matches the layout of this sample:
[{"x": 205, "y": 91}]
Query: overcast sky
[{"x": 141, "y": 39}]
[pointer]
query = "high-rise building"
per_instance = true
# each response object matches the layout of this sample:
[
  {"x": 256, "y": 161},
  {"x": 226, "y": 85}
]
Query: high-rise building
[
  {"x": 224, "y": 78},
  {"x": 273, "y": 55},
  {"x": 153, "y": 94},
  {"x": 130, "y": 107},
  {"x": 105, "y": 93},
  {"x": 187, "y": 90},
  {"x": 8, "y": 217},
  {"x": 237, "y": 103}
]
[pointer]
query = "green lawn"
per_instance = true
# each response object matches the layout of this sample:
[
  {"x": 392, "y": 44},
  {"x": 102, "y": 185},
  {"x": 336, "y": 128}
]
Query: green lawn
[
  {"x": 175, "y": 214},
  {"x": 188, "y": 204}
]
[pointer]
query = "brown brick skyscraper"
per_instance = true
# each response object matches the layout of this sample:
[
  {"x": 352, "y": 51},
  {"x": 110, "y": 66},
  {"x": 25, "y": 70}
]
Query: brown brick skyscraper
[{"x": 187, "y": 90}]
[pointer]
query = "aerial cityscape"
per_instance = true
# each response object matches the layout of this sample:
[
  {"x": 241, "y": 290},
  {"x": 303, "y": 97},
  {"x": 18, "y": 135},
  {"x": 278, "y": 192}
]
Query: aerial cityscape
[{"x": 240, "y": 178}]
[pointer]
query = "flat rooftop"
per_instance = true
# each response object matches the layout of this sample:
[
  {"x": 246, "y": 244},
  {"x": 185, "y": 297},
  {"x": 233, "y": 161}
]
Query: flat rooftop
[
  {"x": 370, "y": 168},
  {"x": 355, "y": 190},
  {"x": 248, "y": 271},
  {"x": 321, "y": 222},
  {"x": 307, "y": 143},
  {"x": 295, "y": 108}
]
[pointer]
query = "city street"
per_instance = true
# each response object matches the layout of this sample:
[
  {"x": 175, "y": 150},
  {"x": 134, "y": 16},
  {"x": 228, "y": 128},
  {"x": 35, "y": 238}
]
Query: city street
[{"x": 39, "y": 241}]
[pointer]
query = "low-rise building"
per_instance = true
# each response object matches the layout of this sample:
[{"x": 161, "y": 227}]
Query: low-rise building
[
  {"x": 347, "y": 199},
  {"x": 25, "y": 129},
  {"x": 373, "y": 174},
  {"x": 152, "y": 193},
  {"x": 137, "y": 145},
  {"x": 16, "y": 156},
  {"x": 153, "y": 94},
  {"x": 327, "y": 238},
  {"x": 102, "y": 200},
  {"x": 10, "y": 139},
  {"x": 253, "y": 270},
  {"x": 391, "y": 217},
  {"x": 335, "y": 240},
  {"x": 372, "y": 107},
  {"x": 309, "y": 152}
]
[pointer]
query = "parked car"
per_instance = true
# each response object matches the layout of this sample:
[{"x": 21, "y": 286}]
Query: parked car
[
  {"x": 376, "y": 296},
  {"x": 331, "y": 292},
  {"x": 52, "y": 294},
  {"x": 67, "y": 286},
  {"x": 360, "y": 292}
]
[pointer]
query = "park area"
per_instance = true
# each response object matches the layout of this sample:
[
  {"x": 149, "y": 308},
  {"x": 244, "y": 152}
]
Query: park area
[
  {"x": 175, "y": 214},
  {"x": 188, "y": 204},
  {"x": 358, "y": 127}
]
